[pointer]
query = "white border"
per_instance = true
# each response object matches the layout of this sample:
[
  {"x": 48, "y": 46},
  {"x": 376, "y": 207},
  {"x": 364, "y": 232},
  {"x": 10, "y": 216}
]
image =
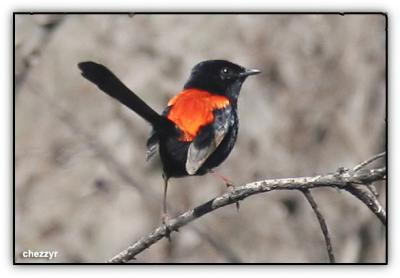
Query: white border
[{"x": 6, "y": 267}]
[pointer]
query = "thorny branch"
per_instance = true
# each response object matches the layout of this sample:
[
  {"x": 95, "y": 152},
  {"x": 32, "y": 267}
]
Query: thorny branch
[{"x": 345, "y": 179}]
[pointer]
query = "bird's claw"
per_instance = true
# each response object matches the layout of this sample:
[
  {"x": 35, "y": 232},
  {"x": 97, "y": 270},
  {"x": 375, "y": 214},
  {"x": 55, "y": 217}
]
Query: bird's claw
[
  {"x": 231, "y": 186},
  {"x": 168, "y": 229},
  {"x": 237, "y": 206}
]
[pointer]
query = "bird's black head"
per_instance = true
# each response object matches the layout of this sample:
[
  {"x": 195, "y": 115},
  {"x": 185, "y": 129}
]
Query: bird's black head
[{"x": 219, "y": 77}]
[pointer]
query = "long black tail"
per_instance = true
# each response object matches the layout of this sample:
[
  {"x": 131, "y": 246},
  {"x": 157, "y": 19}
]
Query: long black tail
[{"x": 112, "y": 86}]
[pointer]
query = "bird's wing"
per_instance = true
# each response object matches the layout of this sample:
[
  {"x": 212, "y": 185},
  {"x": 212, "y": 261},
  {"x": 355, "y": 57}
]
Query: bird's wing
[
  {"x": 208, "y": 139},
  {"x": 152, "y": 142},
  {"x": 152, "y": 145}
]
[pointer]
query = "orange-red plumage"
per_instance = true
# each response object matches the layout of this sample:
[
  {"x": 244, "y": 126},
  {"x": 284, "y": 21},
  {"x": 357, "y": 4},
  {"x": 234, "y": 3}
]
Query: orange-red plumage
[
  {"x": 192, "y": 108},
  {"x": 190, "y": 111}
]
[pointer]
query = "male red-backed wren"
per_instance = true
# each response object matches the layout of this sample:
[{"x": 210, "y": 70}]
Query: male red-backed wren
[{"x": 198, "y": 129}]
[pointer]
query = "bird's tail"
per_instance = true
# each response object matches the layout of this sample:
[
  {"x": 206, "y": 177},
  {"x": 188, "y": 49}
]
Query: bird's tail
[{"x": 112, "y": 86}]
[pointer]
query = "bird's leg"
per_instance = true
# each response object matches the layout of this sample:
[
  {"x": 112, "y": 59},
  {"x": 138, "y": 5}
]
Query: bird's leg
[
  {"x": 164, "y": 214},
  {"x": 228, "y": 183}
]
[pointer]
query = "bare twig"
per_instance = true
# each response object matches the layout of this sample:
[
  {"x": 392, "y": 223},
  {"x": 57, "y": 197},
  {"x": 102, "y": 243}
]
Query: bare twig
[
  {"x": 48, "y": 29},
  {"x": 369, "y": 161},
  {"x": 341, "y": 180},
  {"x": 322, "y": 223},
  {"x": 369, "y": 186},
  {"x": 369, "y": 199},
  {"x": 368, "y": 193},
  {"x": 372, "y": 188}
]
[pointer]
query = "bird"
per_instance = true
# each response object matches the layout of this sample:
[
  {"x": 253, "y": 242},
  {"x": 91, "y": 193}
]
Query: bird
[{"x": 199, "y": 126}]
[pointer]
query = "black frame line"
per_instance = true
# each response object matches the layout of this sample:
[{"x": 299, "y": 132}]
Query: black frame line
[{"x": 385, "y": 14}]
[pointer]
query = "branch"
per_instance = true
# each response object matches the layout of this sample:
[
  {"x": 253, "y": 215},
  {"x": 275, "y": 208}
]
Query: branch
[
  {"x": 322, "y": 223},
  {"x": 343, "y": 179},
  {"x": 119, "y": 169},
  {"x": 369, "y": 161},
  {"x": 369, "y": 199}
]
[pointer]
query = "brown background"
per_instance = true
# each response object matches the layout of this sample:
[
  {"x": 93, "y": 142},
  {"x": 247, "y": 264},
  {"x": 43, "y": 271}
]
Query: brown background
[{"x": 80, "y": 156}]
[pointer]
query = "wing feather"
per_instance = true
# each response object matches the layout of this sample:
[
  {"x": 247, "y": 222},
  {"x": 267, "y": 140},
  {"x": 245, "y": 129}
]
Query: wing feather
[{"x": 208, "y": 140}]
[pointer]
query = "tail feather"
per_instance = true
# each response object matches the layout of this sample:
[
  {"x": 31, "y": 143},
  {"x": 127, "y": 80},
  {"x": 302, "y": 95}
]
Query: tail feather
[{"x": 112, "y": 86}]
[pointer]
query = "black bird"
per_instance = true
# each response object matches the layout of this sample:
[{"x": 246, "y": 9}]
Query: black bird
[{"x": 198, "y": 129}]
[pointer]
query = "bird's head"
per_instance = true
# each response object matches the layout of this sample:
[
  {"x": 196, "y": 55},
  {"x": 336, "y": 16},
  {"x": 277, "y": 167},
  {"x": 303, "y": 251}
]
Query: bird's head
[{"x": 219, "y": 77}]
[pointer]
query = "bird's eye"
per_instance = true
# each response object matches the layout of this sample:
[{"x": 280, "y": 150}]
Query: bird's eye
[{"x": 226, "y": 73}]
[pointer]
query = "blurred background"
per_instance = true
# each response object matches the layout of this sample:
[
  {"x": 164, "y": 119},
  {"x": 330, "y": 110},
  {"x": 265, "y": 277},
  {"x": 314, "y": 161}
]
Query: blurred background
[{"x": 84, "y": 189}]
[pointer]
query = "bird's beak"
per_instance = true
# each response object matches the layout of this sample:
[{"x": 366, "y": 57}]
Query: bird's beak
[{"x": 248, "y": 72}]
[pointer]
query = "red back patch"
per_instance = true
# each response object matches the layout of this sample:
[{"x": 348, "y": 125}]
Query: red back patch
[{"x": 191, "y": 109}]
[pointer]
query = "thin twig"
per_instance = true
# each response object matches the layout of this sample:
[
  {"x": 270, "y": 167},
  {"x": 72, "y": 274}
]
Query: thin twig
[
  {"x": 335, "y": 180},
  {"x": 48, "y": 30},
  {"x": 369, "y": 199},
  {"x": 322, "y": 223},
  {"x": 365, "y": 163},
  {"x": 372, "y": 188},
  {"x": 369, "y": 186}
]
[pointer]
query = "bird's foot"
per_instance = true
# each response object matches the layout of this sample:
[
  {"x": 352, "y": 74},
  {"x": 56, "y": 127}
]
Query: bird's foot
[
  {"x": 231, "y": 186},
  {"x": 228, "y": 183},
  {"x": 237, "y": 206},
  {"x": 168, "y": 230},
  {"x": 164, "y": 218},
  {"x": 226, "y": 180}
]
